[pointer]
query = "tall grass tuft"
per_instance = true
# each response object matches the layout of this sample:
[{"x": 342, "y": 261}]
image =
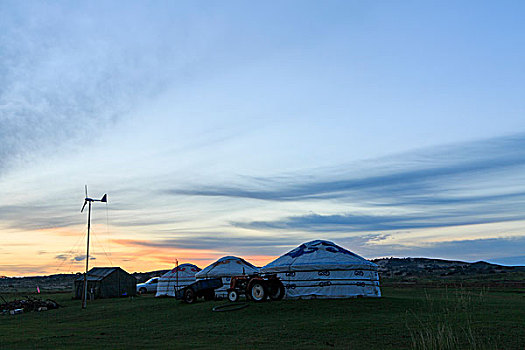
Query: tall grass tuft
[{"x": 449, "y": 322}]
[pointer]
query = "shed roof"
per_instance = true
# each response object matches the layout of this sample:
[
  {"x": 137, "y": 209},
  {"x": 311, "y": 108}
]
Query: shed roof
[{"x": 99, "y": 273}]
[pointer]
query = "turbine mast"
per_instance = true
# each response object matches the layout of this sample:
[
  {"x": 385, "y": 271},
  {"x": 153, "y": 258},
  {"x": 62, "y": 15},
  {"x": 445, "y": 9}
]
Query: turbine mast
[{"x": 88, "y": 200}]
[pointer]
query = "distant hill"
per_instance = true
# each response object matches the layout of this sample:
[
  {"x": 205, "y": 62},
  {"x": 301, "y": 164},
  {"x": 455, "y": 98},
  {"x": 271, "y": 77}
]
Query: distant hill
[
  {"x": 59, "y": 282},
  {"x": 424, "y": 270}
]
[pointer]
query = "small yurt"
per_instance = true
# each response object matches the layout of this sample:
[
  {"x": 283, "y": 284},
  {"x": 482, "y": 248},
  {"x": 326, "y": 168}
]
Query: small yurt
[
  {"x": 226, "y": 268},
  {"x": 322, "y": 269},
  {"x": 177, "y": 278}
]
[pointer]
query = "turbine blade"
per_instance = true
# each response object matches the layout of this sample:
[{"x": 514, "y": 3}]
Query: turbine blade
[
  {"x": 85, "y": 202},
  {"x": 86, "y": 190}
]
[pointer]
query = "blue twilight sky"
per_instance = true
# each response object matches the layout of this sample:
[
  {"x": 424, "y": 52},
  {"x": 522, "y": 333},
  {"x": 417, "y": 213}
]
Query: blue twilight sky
[{"x": 394, "y": 128}]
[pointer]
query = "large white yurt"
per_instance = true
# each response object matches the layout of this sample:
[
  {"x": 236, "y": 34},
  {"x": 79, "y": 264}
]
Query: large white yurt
[
  {"x": 322, "y": 269},
  {"x": 225, "y": 268},
  {"x": 177, "y": 278}
]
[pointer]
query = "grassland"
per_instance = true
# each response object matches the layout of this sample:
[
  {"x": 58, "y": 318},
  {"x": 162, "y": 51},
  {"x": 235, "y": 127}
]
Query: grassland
[{"x": 425, "y": 318}]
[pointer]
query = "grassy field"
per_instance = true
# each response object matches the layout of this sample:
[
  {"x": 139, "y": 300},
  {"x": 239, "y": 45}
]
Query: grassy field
[{"x": 424, "y": 318}]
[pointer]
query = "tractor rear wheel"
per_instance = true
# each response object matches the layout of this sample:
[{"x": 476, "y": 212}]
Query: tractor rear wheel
[
  {"x": 276, "y": 290},
  {"x": 257, "y": 291}
]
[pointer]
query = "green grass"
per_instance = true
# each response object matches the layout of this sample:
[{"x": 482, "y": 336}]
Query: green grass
[
  {"x": 511, "y": 279},
  {"x": 433, "y": 318}
]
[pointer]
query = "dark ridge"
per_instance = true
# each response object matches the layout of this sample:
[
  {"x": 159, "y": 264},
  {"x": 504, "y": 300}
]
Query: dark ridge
[{"x": 407, "y": 271}]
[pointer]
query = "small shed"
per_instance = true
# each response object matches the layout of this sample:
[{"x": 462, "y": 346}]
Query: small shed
[{"x": 106, "y": 282}]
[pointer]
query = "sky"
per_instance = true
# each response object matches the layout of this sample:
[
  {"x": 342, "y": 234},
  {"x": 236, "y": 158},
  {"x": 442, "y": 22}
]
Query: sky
[{"x": 393, "y": 128}]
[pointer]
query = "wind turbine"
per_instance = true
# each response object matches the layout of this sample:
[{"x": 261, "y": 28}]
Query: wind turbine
[{"x": 87, "y": 200}]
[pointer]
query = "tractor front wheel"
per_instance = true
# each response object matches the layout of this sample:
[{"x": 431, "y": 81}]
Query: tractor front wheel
[{"x": 233, "y": 296}]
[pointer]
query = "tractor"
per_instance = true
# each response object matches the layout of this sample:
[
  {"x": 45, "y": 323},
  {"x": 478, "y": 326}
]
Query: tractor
[{"x": 256, "y": 288}]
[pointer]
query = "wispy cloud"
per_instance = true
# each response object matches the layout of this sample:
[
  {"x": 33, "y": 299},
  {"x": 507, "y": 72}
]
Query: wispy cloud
[
  {"x": 356, "y": 223},
  {"x": 37, "y": 216},
  {"x": 73, "y": 257},
  {"x": 61, "y": 257},
  {"x": 404, "y": 175},
  {"x": 220, "y": 243},
  {"x": 68, "y": 76},
  {"x": 474, "y": 183}
]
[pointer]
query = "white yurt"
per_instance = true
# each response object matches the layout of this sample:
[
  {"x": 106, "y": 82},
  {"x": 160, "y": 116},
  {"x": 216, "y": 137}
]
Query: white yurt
[
  {"x": 322, "y": 269},
  {"x": 177, "y": 278},
  {"x": 225, "y": 268}
]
